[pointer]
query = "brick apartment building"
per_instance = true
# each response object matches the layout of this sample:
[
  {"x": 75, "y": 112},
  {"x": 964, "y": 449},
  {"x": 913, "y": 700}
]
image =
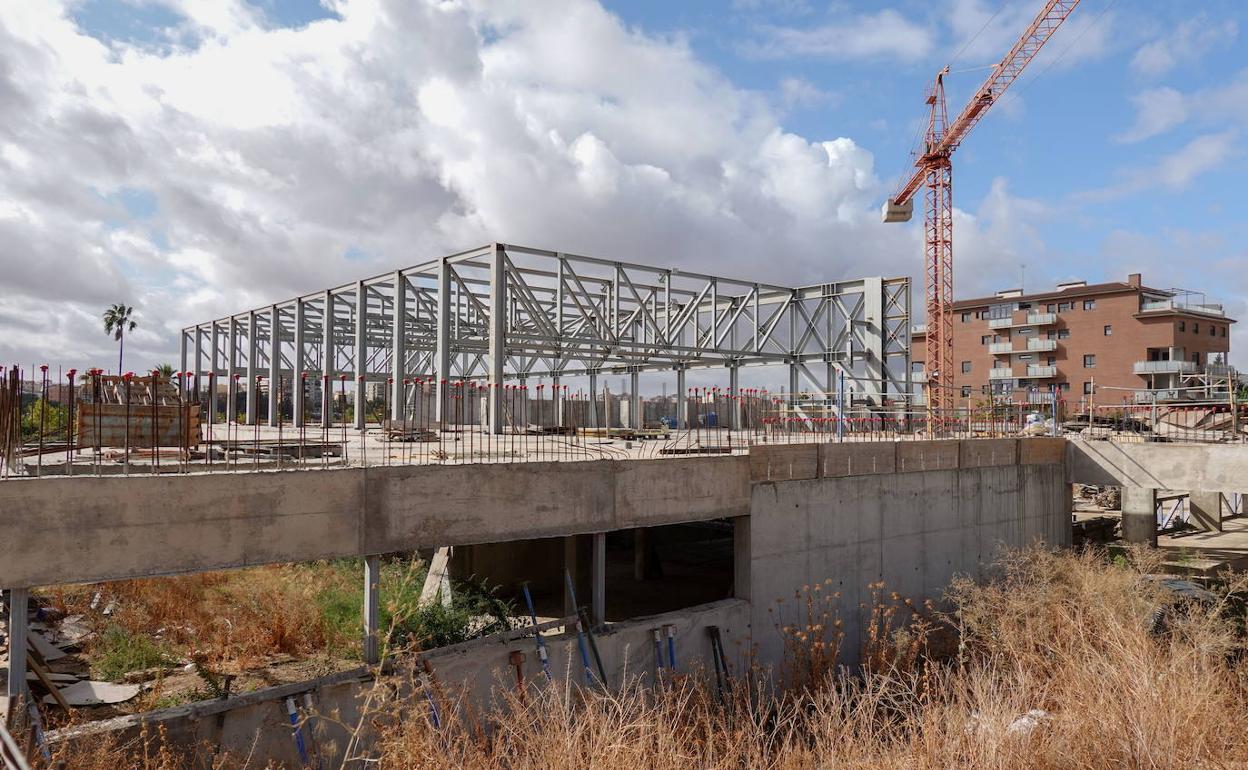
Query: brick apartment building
[{"x": 1116, "y": 335}]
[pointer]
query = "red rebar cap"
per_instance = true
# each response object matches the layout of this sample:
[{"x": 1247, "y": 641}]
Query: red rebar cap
[
  {"x": 43, "y": 367},
  {"x": 342, "y": 377},
  {"x": 70, "y": 374}
]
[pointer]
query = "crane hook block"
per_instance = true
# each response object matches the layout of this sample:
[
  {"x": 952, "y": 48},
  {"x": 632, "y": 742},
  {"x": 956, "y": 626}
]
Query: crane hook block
[{"x": 893, "y": 212}]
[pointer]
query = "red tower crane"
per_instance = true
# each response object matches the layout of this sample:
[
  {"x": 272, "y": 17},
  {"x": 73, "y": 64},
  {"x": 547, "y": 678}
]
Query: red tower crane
[{"x": 934, "y": 171}]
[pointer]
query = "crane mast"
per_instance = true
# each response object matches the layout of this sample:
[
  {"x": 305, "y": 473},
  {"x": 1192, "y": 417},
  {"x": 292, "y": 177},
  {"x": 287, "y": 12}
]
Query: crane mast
[{"x": 934, "y": 174}]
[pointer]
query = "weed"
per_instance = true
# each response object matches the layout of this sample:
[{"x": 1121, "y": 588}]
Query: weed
[{"x": 120, "y": 650}]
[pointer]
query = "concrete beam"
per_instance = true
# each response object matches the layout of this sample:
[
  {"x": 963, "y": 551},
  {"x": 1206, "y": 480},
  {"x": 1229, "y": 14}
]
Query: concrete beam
[
  {"x": 1206, "y": 510},
  {"x": 1209, "y": 467}
]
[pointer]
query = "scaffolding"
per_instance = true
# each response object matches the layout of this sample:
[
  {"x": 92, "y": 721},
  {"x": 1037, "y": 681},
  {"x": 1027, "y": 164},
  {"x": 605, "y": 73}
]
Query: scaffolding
[{"x": 506, "y": 312}]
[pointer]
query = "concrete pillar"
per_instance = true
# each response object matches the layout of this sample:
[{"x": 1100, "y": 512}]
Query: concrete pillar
[
  {"x": 1139, "y": 515},
  {"x": 361, "y": 351},
  {"x": 372, "y": 609},
  {"x": 1206, "y": 510},
  {"x": 250, "y": 385},
  {"x": 598, "y": 575},
  {"x": 296, "y": 380},
  {"x": 398, "y": 348},
  {"x": 275, "y": 361},
  {"x": 16, "y": 685},
  {"x": 570, "y": 563},
  {"x": 741, "y": 557},
  {"x": 556, "y": 399},
  {"x": 734, "y": 409}
]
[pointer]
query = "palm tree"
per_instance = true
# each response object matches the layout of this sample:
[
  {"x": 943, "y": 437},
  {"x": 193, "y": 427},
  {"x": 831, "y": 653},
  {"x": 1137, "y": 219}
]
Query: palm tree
[
  {"x": 165, "y": 371},
  {"x": 117, "y": 322}
]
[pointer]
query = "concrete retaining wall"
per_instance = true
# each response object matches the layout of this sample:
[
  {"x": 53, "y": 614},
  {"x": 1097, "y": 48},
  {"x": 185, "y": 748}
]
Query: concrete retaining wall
[
  {"x": 958, "y": 505},
  {"x": 257, "y": 724}
]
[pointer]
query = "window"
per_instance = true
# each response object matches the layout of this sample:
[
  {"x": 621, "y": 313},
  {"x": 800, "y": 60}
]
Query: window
[
  {"x": 1063, "y": 307},
  {"x": 1213, "y": 330},
  {"x": 1050, "y": 335},
  {"x": 966, "y": 317},
  {"x": 1223, "y": 331},
  {"x": 966, "y": 367},
  {"x": 1026, "y": 330},
  {"x": 987, "y": 339},
  {"x": 1063, "y": 386},
  {"x": 1024, "y": 306},
  {"x": 1089, "y": 361},
  {"x": 1109, "y": 330},
  {"x": 1182, "y": 326},
  {"x": 1026, "y": 357},
  {"x": 1050, "y": 361},
  {"x": 1089, "y": 304},
  {"x": 1195, "y": 328},
  {"x": 1196, "y": 358},
  {"x": 966, "y": 391},
  {"x": 1087, "y": 388},
  {"x": 1049, "y": 308},
  {"x": 1063, "y": 334}
]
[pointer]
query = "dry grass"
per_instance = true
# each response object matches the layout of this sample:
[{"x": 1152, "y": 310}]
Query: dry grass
[{"x": 1058, "y": 666}]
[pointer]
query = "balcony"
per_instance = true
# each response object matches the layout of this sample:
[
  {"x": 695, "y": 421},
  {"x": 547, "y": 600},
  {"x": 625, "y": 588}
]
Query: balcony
[
  {"x": 1041, "y": 371},
  {"x": 1001, "y": 347},
  {"x": 1042, "y": 345},
  {"x": 1165, "y": 367},
  {"x": 1032, "y": 319},
  {"x": 1169, "y": 304},
  {"x": 1001, "y": 374}
]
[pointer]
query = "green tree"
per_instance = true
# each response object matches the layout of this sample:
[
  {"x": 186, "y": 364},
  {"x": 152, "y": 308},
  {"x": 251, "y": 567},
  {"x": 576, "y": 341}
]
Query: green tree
[
  {"x": 166, "y": 371},
  {"x": 117, "y": 321},
  {"x": 55, "y": 418}
]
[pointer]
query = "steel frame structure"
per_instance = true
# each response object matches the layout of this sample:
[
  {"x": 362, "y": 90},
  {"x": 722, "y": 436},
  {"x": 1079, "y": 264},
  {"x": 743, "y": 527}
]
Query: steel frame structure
[{"x": 507, "y": 312}]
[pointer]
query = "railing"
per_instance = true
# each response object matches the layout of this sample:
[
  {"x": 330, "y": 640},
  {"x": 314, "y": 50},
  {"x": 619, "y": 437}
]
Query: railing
[
  {"x": 1001, "y": 347},
  {"x": 1169, "y": 304},
  {"x": 1000, "y": 374},
  {"x": 1041, "y": 371},
  {"x": 1041, "y": 319},
  {"x": 1000, "y": 323},
  {"x": 1165, "y": 367},
  {"x": 1202, "y": 422},
  {"x": 1042, "y": 345}
]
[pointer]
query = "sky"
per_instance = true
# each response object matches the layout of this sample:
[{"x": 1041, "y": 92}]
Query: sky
[{"x": 195, "y": 158}]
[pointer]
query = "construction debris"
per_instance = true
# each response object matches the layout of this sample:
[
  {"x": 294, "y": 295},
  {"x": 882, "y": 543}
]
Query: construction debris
[{"x": 93, "y": 693}]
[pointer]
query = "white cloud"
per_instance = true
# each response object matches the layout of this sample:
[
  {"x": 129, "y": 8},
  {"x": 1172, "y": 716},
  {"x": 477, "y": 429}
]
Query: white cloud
[
  {"x": 800, "y": 93},
  {"x": 1188, "y": 41},
  {"x": 886, "y": 34},
  {"x": 271, "y": 153},
  {"x": 1159, "y": 110},
  {"x": 1173, "y": 172}
]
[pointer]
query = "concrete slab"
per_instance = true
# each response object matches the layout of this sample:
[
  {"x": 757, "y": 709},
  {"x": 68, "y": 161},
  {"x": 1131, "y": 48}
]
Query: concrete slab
[
  {"x": 913, "y": 456},
  {"x": 784, "y": 462},
  {"x": 857, "y": 459},
  {"x": 1042, "y": 450},
  {"x": 983, "y": 453}
]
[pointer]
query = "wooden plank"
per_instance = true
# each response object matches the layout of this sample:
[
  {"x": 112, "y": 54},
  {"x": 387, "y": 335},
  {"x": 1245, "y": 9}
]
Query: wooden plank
[{"x": 111, "y": 421}]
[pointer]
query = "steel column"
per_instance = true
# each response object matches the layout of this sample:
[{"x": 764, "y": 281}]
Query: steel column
[
  {"x": 498, "y": 336},
  {"x": 361, "y": 352},
  {"x": 253, "y": 348},
  {"x": 296, "y": 378},
  {"x": 398, "y": 348},
  {"x": 275, "y": 362}
]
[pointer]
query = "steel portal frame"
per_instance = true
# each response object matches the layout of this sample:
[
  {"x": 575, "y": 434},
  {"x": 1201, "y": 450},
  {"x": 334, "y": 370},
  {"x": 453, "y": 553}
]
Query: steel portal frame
[{"x": 507, "y": 312}]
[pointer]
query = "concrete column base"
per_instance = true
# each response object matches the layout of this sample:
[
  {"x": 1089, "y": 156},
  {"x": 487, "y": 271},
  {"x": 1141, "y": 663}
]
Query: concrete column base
[
  {"x": 1139, "y": 515},
  {"x": 1206, "y": 510}
]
